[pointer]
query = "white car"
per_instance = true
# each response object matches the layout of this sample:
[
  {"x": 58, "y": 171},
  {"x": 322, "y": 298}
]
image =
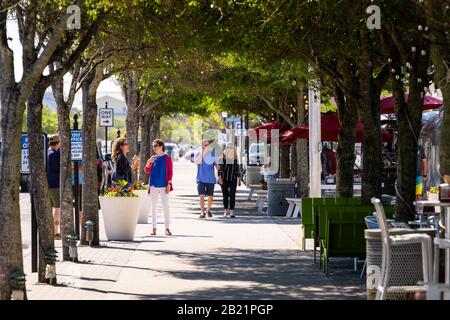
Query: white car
[{"x": 256, "y": 153}]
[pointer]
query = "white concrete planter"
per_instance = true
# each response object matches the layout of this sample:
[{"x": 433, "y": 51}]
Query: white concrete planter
[
  {"x": 145, "y": 207},
  {"x": 120, "y": 215}
]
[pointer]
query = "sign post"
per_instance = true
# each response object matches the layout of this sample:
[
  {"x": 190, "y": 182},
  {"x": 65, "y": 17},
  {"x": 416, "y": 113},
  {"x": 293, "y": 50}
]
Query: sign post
[
  {"x": 106, "y": 117},
  {"x": 76, "y": 145},
  {"x": 25, "y": 169}
]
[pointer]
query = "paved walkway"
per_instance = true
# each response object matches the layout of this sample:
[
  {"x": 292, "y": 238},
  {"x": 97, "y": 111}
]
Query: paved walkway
[{"x": 250, "y": 257}]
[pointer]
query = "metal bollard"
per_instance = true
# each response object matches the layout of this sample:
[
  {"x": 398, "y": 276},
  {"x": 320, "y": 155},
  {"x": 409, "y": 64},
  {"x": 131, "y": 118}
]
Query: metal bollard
[
  {"x": 17, "y": 279},
  {"x": 51, "y": 256},
  {"x": 89, "y": 226},
  {"x": 73, "y": 250}
]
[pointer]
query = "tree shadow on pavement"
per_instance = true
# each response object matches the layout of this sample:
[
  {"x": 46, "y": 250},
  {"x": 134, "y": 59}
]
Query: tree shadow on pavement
[{"x": 268, "y": 274}]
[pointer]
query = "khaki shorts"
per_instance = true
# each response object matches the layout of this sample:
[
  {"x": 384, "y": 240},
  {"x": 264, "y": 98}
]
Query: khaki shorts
[{"x": 54, "y": 197}]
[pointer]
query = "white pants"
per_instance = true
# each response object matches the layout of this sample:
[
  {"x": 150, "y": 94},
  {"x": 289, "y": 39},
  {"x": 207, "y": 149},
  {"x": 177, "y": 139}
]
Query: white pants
[{"x": 154, "y": 192}]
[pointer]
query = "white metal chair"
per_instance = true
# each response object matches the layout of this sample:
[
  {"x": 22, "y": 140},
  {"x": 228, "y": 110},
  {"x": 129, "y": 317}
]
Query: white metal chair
[
  {"x": 435, "y": 289},
  {"x": 395, "y": 258}
]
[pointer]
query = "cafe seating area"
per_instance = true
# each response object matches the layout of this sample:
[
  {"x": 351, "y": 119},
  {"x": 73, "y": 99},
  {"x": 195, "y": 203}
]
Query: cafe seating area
[{"x": 403, "y": 261}]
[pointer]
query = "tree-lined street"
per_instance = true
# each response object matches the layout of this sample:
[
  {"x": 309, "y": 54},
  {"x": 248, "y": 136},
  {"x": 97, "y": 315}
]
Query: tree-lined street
[
  {"x": 322, "y": 109},
  {"x": 250, "y": 257}
]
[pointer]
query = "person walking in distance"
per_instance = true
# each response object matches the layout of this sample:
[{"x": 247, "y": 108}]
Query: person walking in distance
[
  {"x": 53, "y": 168},
  {"x": 160, "y": 169},
  {"x": 229, "y": 179},
  {"x": 206, "y": 161},
  {"x": 421, "y": 172}
]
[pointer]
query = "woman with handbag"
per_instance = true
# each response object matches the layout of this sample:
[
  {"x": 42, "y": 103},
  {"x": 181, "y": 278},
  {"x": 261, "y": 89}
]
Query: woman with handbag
[
  {"x": 160, "y": 170},
  {"x": 122, "y": 169},
  {"x": 229, "y": 179}
]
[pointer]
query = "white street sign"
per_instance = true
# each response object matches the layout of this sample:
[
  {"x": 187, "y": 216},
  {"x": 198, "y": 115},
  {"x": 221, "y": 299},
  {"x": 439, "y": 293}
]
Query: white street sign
[
  {"x": 106, "y": 116},
  {"x": 24, "y": 163},
  {"x": 223, "y": 138},
  {"x": 76, "y": 145}
]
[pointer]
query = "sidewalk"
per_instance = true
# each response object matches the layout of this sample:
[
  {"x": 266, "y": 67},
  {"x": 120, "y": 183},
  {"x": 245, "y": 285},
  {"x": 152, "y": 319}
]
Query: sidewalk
[{"x": 250, "y": 257}]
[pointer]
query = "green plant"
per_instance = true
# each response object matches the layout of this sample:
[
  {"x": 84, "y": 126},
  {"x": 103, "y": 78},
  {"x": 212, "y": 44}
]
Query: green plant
[
  {"x": 263, "y": 184},
  {"x": 434, "y": 190},
  {"x": 121, "y": 188},
  {"x": 139, "y": 185}
]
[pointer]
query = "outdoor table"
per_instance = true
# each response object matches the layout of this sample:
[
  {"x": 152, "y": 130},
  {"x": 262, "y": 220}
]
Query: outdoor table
[
  {"x": 445, "y": 215},
  {"x": 333, "y": 187}
]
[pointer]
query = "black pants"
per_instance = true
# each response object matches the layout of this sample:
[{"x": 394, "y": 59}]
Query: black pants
[{"x": 229, "y": 193}]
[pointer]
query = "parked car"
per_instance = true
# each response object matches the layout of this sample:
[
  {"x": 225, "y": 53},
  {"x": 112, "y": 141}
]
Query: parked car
[
  {"x": 173, "y": 150},
  {"x": 256, "y": 153}
]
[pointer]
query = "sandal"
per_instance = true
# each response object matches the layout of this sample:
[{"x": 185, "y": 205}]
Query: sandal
[
  {"x": 168, "y": 233},
  {"x": 154, "y": 232},
  {"x": 202, "y": 215}
]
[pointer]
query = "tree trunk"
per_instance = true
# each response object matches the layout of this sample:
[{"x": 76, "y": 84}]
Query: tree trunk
[
  {"x": 369, "y": 112},
  {"x": 38, "y": 178},
  {"x": 10, "y": 230},
  {"x": 437, "y": 17},
  {"x": 132, "y": 124},
  {"x": 146, "y": 144},
  {"x": 406, "y": 157},
  {"x": 284, "y": 161},
  {"x": 293, "y": 160},
  {"x": 66, "y": 194},
  {"x": 131, "y": 90},
  {"x": 345, "y": 155},
  {"x": 90, "y": 191},
  {"x": 302, "y": 145},
  {"x": 156, "y": 127},
  {"x": 409, "y": 118},
  {"x": 409, "y": 121}
]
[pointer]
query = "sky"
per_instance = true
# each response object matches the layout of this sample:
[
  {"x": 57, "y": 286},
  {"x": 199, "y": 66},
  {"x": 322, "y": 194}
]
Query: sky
[{"x": 107, "y": 87}]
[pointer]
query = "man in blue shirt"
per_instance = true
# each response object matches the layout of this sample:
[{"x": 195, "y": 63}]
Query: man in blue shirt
[
  {"x": 206, "y": 161},
  {"x": 53, "y": 168}
]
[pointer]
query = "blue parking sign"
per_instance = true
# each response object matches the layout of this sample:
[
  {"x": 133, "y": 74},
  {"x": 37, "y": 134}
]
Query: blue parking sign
[
  {"x": 76, "y": 143},
  {"x": 24, "y": 163}
]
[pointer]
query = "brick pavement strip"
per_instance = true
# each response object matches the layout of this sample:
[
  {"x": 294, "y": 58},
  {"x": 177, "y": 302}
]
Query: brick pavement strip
[{"x": 250, "y": 257}]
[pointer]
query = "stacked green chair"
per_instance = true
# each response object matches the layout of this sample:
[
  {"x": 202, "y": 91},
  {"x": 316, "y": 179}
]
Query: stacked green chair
[
  {"x": 307, "y": 221},
  {"x": 343, "y": 233}
]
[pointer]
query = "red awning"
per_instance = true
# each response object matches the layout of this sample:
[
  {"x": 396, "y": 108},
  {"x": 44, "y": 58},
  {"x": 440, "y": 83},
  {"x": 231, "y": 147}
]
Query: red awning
[
  {"x": 387, "y": 104},
  {"x": 329, "y": 130}
]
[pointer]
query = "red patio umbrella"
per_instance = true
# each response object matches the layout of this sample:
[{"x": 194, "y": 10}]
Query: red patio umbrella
[
  {"x": 330, "y": 128},
  {"x": 387, "y": 104},
  {"x": 283, "y": 127}
]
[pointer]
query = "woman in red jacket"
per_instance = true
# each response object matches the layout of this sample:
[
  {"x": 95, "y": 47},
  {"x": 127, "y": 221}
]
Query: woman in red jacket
[{"x": 160, "y": 169}]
